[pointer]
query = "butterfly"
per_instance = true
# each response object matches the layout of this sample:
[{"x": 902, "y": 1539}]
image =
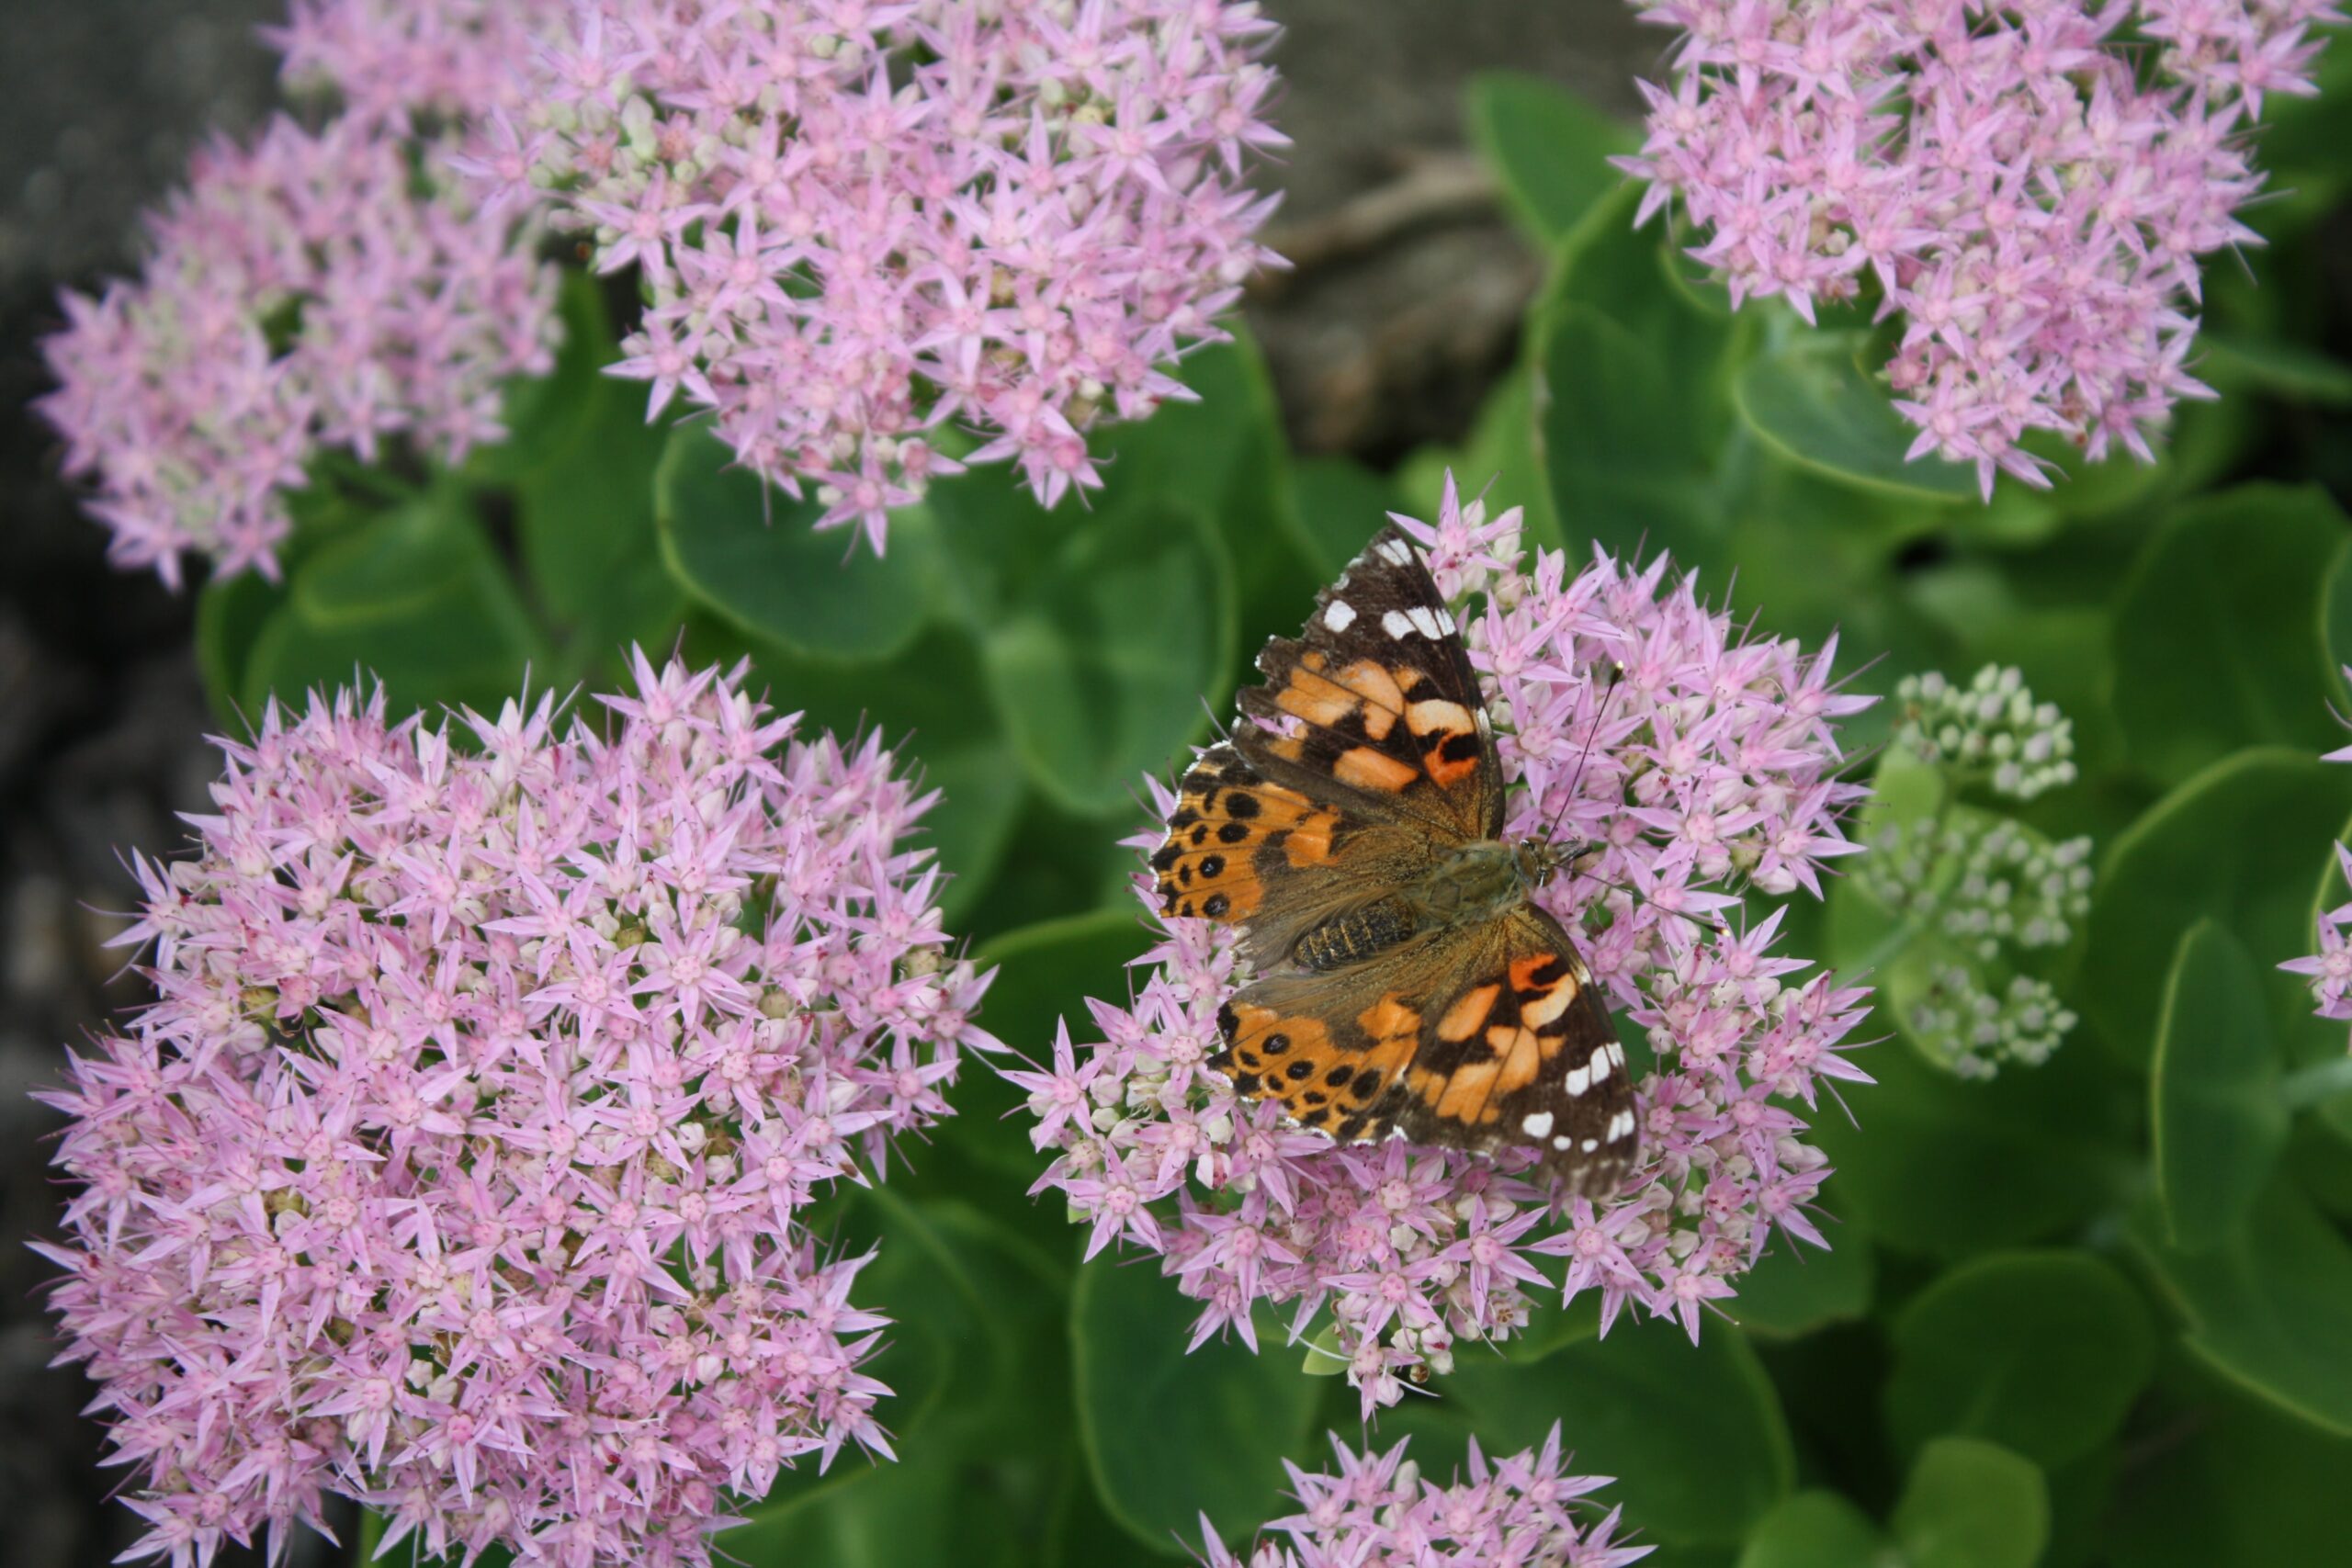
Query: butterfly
[{"x": 1403, "y": 982}]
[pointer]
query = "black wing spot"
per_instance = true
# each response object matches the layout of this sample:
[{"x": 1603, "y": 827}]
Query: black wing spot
[
  {"x": 1246, "y": 1083},
  {"x": 1199, "y": 832},
  {"x": 1216, "y": 908},
  {"x": 1234, "y": 832},
  {"x": 1338, "y": 1077},
  {"x": 1275, "y": 1044},
  {"x": 1242, "y": 808},
  {"x": 1459, "y": 747},
  {"x": 1300, "y": 1070},
  {"x": 1212, "y": 865},
  {"x": 1315, "y": 1097}
]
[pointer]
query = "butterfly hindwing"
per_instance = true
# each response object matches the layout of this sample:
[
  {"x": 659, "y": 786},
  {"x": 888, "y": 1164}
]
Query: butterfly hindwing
[
  {"x": 1484, "y": 1038},
  {"x": 1520, "y": 1050},
  {"x": 1379, "y": 697}
]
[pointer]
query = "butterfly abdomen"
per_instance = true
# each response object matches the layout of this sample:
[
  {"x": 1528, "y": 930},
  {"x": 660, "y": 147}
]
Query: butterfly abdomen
[{"x": 1354, "y": 936}]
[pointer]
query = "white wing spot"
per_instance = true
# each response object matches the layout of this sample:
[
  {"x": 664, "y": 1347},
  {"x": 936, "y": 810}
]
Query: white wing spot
[
  {"x": 1579, "y": 1078},
  {"x": 1562, "y": 1141},
  {"x": 1394, "y": 624},
  {"x": 1396, "y": 551},
  {"x": 1590, "y": 1145},
  {"x": 1425, "y": 620},
  {"x": 1620, "y": 1125},
  {"x": 1538, "y": 1124},
  {"x": 1339, "y": 615}
]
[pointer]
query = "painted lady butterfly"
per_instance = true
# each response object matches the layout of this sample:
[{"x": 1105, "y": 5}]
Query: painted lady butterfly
[{"x": 1405, "y": 982}]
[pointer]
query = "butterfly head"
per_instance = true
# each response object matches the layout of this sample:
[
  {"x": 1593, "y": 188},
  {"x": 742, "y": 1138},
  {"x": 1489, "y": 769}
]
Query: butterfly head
[{"x": 1538, "y": 859}]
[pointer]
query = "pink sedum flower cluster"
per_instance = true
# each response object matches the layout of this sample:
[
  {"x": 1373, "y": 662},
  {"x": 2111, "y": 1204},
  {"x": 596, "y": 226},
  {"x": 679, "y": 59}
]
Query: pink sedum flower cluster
[
  {"x": 1379, "y": 1511},
  {"x": 2030, "y": 185},
  {"x": 314, "y": 292},
  {"x": 457, "y": 1167},
  {"x": 396, "y": 62},
  {"x": 855, "y": 220},
  {"x": 1705, "y": 773}
]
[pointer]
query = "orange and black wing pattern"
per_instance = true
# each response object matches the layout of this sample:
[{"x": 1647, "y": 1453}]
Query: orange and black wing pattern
[
  {"x": 1485, "y": 1038},
  {"x": 1376, "y": 696}
]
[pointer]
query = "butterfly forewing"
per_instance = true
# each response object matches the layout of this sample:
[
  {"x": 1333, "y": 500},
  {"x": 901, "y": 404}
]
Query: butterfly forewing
[{"x": 1378, "y": 697}]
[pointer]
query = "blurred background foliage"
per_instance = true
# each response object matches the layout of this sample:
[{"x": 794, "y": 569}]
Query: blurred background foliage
[{"x": 2096, "y": 1312}]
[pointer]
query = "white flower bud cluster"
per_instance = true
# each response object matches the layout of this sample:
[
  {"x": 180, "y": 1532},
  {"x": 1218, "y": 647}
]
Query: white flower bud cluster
[
  {"x": 1963, "y": 1024},
  {"x": 1990, "y": 731},
  {"x": 1983, "y": 881}
]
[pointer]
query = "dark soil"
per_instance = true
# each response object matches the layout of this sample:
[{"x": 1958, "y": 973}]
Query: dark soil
[{"x": 102, "y": 717}]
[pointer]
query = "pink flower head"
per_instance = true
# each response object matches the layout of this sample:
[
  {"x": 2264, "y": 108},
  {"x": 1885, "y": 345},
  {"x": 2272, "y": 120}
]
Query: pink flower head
[
  {"x": 1704, "y": 773},
  {"x": 855, "y": 222},
  {"x": 2029, "y": 186},
  {"x": 314, "y": 292},
  {"x": 393, "y": 61},
  {"x": 456, "y": 1167},
  {"x": 1379, "y": 1511}
]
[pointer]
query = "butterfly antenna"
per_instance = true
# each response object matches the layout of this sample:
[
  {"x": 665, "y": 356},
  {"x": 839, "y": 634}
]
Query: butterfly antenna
[{"x": 1584, "y": 755}]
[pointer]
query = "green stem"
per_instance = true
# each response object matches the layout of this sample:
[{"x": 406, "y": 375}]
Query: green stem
[{"x": 2306, "y": 1087}]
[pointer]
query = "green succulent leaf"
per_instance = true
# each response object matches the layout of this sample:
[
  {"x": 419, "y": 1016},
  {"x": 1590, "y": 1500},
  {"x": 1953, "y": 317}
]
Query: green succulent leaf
[
  {"x": 2218, "y": 1121},
  {"x": 752, "y": 557},
  {"x": 2041, "y": 1352},
  {"x": 415, "y": 598},
  {"x": 1811, "y": 401},
  {"x": 1970, "y": 1504},
  {"x": 1169, "y": 1436},
  {"x": 1693, "y": 1433},
  {"x": 2270, "y": 1304},
  {"x": 1815, "y": 1529},
  {"x": 1548, "y": 147},
  {"x": 2220, "y": 629},
  {"x": 2239, "y": 843}
]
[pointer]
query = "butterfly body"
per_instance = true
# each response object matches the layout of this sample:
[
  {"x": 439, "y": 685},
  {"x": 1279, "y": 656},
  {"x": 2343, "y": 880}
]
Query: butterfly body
[{"x": 1403, "y": 979}]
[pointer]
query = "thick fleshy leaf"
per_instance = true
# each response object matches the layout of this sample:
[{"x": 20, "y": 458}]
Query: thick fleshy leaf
[
  {"x": 970, "y": 1352},
  {"x": 545, "y": 416},
  {"x": 1223, "y": 454},
  {"x": 2270, "y": 1304},
  {"x": 1170, "y": 1436},
  {"x": 1620, "y": 461},
  {"x": 1693, "y": 1433},
  {"x": 751, "y": 554},
  {"x": 1810, "y": 400},
  {"x": 1548, "y": 147},
  {"x": 2217, "y": 630},
  {"x": 2237, "y": 1483},
  {"x": 229, "y": 615},
  {"x": 1500, "y": 461},
  {"x": 1340, "y": 504},
  {"x": 1796, "y": 1289},
  {"x": 1815, "y": 1529},
  {"x": 1100, "y": 666},
  {"x": 1631, "y": 400},
  {"x": 416, "y": 598},
  {"x": 2041, "y": 1352},
  {"x": 2239, "y": 843},
  {"x": 1970, "y": 1504},
  {"x": 581, "y": 465},
  {"x": 2217, "y": 1119},
  {"x": 1950, "y": 1167}
]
